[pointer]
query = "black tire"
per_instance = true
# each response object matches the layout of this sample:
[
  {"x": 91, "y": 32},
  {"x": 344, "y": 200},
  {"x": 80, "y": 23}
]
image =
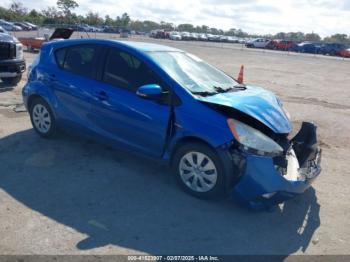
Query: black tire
[
  {"x": 12, "y": 81},
  {"x": 220, "y": 187},
  {"x": 51, "y": 131}
]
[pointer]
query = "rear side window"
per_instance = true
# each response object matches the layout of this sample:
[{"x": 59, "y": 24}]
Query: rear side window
[
  {"x": 79, "y": 60},
  {"x": 126, "y": 71}
]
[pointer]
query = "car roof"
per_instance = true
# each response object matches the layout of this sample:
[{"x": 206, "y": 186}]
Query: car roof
[
  {"x": 149, "y": 47},
  {"x": 137, "y": 46}
]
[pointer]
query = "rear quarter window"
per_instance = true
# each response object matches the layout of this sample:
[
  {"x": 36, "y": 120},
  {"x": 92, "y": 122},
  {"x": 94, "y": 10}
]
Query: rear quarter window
[
  {"x": 60, "y": 55},
  {"x": 78, "y": 59}
]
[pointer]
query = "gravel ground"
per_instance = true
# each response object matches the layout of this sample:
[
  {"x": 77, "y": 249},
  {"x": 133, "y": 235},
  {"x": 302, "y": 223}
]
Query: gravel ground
[{"x": 73, "y": 196}]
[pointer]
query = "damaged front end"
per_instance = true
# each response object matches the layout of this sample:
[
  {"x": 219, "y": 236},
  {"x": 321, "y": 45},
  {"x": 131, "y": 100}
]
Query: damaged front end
[
  {"x": 267, "y": 180},
  {"x": 269, "y": 167}
]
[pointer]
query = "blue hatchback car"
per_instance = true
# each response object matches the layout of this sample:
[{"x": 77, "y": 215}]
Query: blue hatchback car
[{"x": 220, "y": 137}]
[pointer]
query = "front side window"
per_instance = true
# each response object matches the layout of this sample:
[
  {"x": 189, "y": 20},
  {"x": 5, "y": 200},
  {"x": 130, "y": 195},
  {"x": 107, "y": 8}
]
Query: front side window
[
  {"x": 79, "y": 60},
  {"x": 126, "y": 71}
]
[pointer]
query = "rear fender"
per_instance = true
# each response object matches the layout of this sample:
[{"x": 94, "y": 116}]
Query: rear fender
[{"x": 36, "y": 89}]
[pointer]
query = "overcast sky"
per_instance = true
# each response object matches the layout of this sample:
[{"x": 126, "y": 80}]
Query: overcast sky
[{"x": 325, "y": 17}]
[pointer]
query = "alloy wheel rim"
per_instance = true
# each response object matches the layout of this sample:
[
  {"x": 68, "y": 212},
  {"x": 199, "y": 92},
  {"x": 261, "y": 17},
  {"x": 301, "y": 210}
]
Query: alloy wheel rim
[
  {"x": 41, "y": 118},
  {"x": 198, "y": 171}
]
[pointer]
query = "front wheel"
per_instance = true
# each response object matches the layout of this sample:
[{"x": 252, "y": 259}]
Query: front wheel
[
  {"x": 42, "y": 118},
  {"x": 199, "y": 171}
]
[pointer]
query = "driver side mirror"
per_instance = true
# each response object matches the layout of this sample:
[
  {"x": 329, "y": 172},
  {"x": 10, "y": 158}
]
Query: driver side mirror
[{"x": 152, "y": 91}]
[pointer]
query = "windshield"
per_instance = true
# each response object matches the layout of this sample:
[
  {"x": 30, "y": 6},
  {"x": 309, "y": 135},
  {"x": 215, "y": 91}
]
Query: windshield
[{"x": 193, "y": 73}]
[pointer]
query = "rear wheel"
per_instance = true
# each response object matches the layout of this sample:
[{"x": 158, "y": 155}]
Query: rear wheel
[
  {"x": 42, "y": 118},
  {"x": 12, "y": 81},
  {"x": 199, "y": 171}
]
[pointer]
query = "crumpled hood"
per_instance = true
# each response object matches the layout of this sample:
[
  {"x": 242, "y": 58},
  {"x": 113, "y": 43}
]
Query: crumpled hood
[{"x": 257, "y": 103}]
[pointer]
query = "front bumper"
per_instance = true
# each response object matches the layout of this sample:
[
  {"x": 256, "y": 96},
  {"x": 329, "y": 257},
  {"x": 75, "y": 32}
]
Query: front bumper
[
  {"x": 263, "y": 183},
  {"x": 12, "y": 67}
]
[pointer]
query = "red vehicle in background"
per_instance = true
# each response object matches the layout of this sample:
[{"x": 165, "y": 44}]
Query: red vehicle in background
[
  {"x": 345, "y": 52},
  {"x": 284, "y": 45},
  {"x": 36, "y": 42},
  {"x": 160, "y": 33}
]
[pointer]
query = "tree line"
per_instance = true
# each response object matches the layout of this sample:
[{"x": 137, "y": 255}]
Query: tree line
[{"x": 63, "y": 13}]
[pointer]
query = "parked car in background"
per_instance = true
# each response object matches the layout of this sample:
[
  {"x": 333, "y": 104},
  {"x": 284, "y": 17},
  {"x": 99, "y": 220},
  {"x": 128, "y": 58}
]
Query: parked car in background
[
  {"x": 96, "y": 29},
  {"x": 232, "y": 39},
  {"x": 224, "y": 38},
  {"x": 202, "y": 37},
  {"x": 140, "y": 33},
  {"x": 124, "y": 33},
  {"x": 34, "y": 27},
  {"x": 12, "y": 63},
  {"x": 332, "y": 48},
  {"x": 2, "y": 30},
  {"x": 220, "y": 137},
  {"x": 36, "y": 42},
  {"x": 111, "y": 29},
  {"x": 307, "y": 47},
  {"x": 9, "y": 26},
  {"x": 213, "y": 38},
  {"x": 24, "y": 26},
  {"x": 258, "y": 43},
  {"x": 83, "y": 28},
  {"x": 159, "y": 33},
  {"x": 345, "y": 52},
  {"x": 284, "y": 45},
  {"x": 186, "y": 36},
  {"x": 194, "y": 36},
  {"x": 175, "y": 36},
  {"x": 242, "y": 40}
]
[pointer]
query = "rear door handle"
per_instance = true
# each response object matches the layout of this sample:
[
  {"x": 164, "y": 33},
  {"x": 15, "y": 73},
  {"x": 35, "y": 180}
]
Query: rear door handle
[
  {"x": 52, "y": 77},
  {"x": 102, "y": 95}
]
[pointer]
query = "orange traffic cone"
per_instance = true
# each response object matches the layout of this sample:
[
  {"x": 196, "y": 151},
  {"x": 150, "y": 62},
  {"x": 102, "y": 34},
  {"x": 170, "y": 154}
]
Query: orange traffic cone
[{"x": 240, "y": 75}]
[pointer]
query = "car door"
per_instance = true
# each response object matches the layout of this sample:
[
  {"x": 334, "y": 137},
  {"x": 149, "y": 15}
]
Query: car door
[
  {"x": 259, "y": 43},
  {"x": 265, "y": 43},
  {"x": 72, "y": 82},
  {"x": 118, "y": 113},
  {"x": 256, "y": 43}
]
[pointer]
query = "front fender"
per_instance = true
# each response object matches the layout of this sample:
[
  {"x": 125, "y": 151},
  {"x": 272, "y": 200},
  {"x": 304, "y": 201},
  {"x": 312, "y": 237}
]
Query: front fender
[{"x": 198, "y": 121}]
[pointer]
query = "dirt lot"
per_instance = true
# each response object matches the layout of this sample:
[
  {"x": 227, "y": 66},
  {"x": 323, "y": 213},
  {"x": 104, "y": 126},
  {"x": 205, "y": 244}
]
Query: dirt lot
[{"x": 72, "y": 196}]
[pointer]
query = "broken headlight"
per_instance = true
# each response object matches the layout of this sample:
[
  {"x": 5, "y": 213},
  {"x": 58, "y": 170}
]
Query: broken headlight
[{"x": 252, "y": 140}]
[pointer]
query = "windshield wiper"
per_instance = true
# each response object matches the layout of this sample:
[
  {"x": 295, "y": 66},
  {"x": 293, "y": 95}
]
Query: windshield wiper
[
  {"x": 220, "y": 89},
  {"x": 204, "y": 93},
  {"x": 224, "y": 90},
  {"x": 240, "y": 86}
]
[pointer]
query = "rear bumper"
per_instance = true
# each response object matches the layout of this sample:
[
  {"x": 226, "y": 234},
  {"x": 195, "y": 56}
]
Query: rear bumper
[
  {"x": 12, "y": 68},
  {"x": 264, "y": 184}
]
